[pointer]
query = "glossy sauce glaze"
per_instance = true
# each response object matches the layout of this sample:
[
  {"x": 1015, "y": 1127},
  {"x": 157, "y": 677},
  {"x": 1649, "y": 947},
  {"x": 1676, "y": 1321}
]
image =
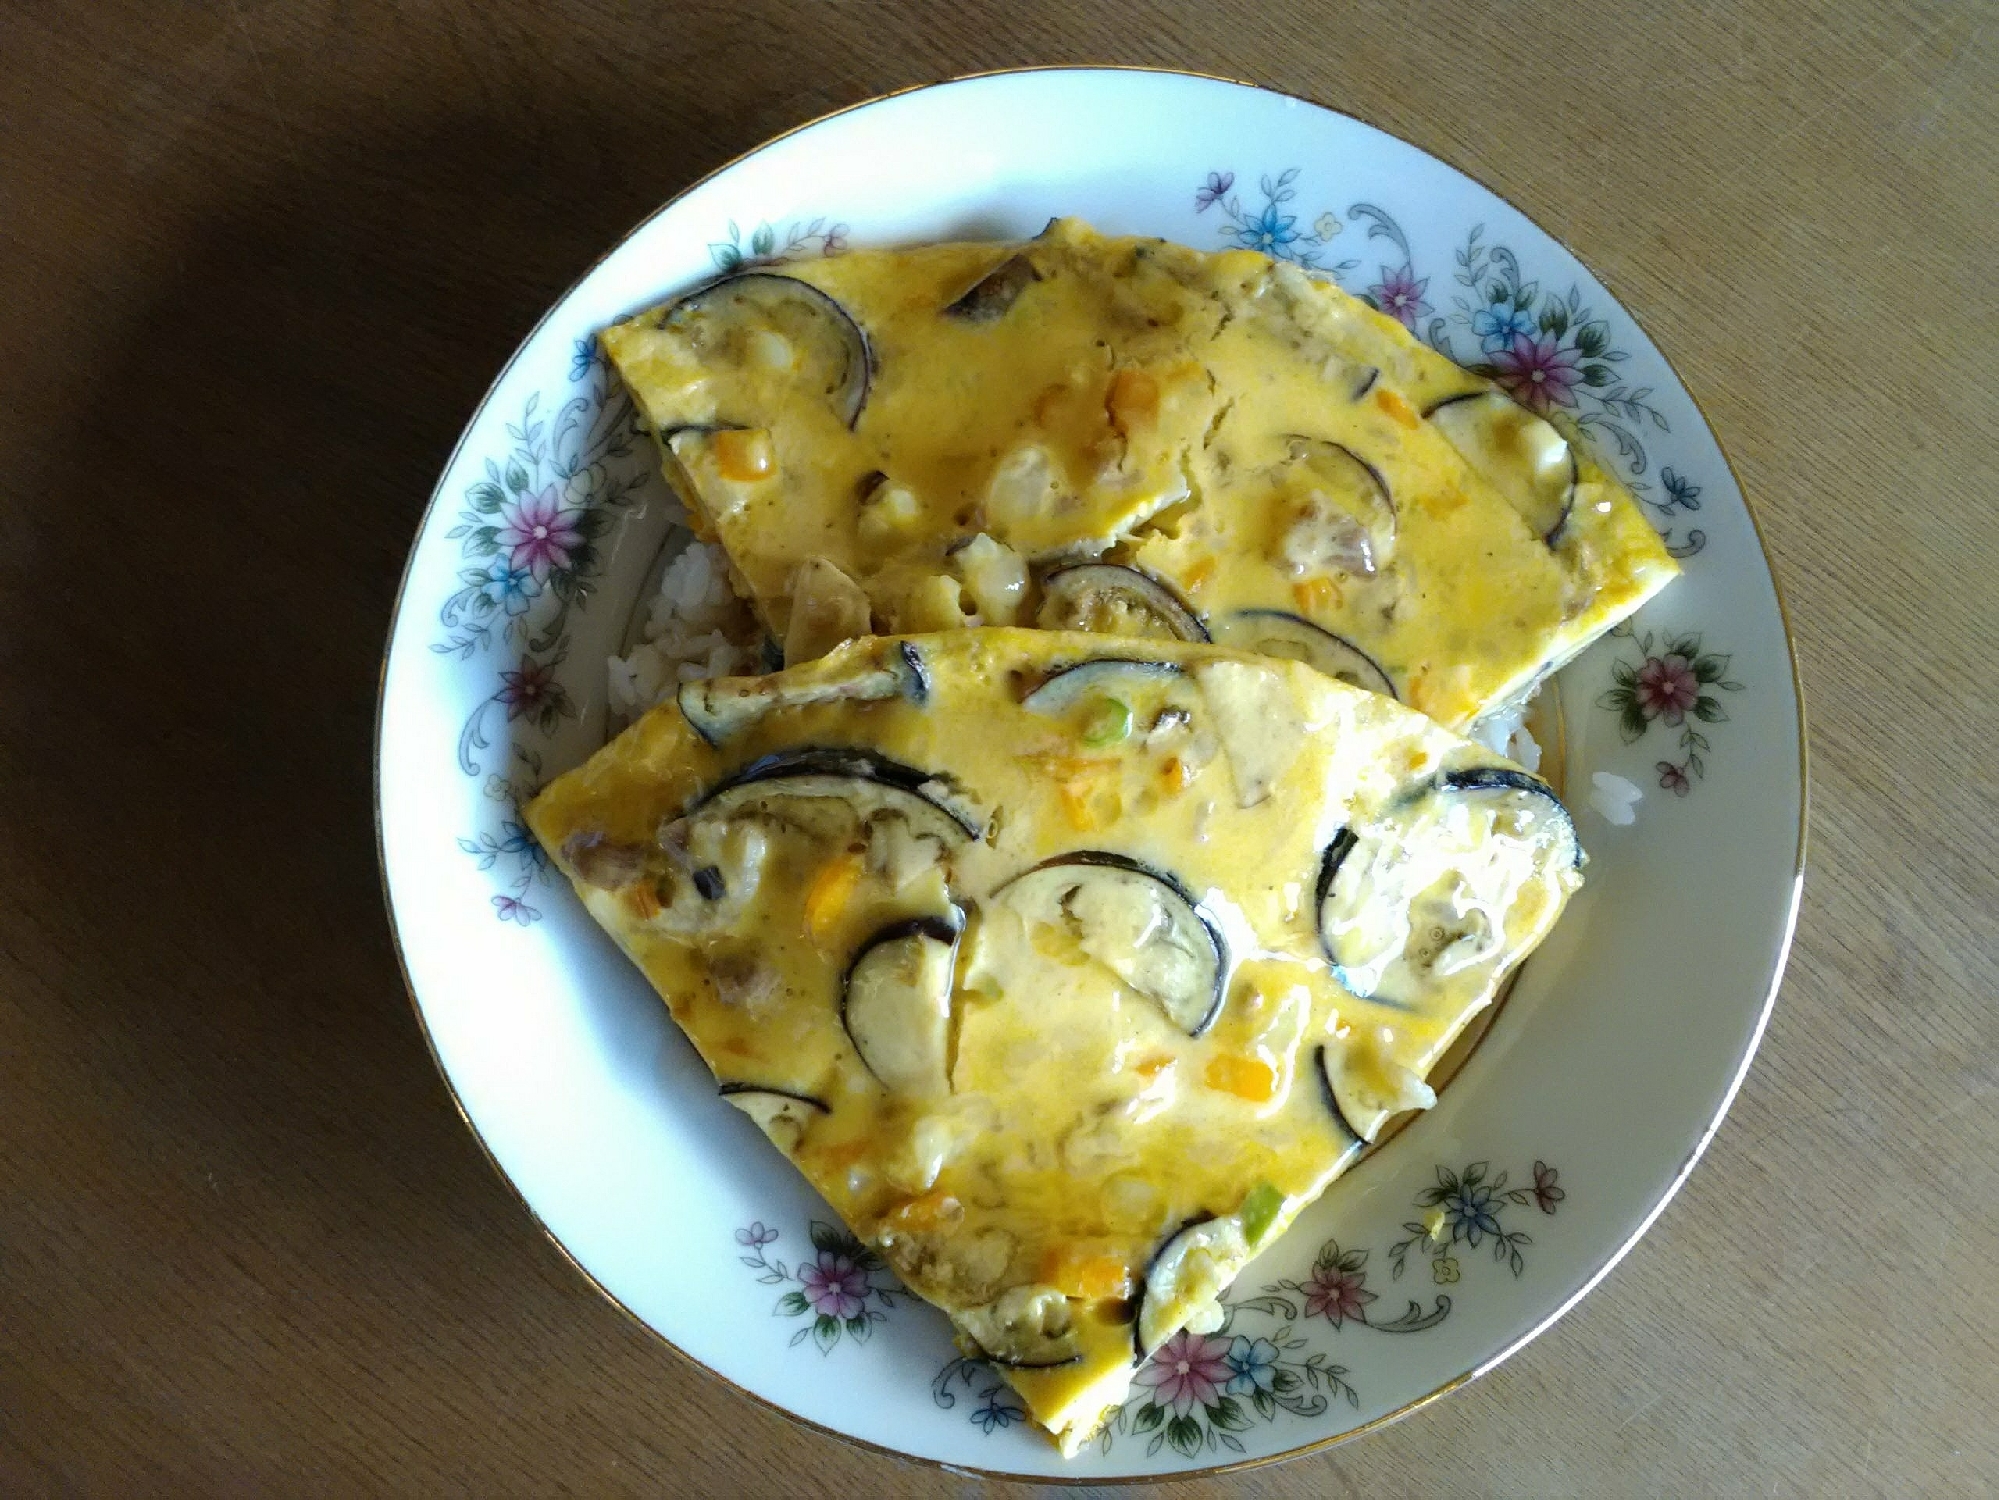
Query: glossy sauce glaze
[
  {"x": 923, "y": 439},
  {"x": 1067, "y": 969}
]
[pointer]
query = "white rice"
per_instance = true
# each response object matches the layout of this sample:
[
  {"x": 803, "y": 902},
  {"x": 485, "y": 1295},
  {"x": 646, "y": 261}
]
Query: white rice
[
  {"x": 1614, "y": 798},
  {"x": 1504, "y": 732},
  {"x": 696, "y": 627}
]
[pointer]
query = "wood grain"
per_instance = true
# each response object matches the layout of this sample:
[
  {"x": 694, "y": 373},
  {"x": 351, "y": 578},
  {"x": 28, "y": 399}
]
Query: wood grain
[{"x": 261, "y": 260}]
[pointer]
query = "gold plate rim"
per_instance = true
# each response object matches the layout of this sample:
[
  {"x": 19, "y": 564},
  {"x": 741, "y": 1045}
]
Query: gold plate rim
[{"x": 1322, "y": 1444}]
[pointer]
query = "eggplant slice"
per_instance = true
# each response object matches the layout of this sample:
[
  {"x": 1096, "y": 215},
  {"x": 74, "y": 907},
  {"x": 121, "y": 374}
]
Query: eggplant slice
[
  {"x": 992, "y": 296},
  {"x": 1139, "y": 922},
  {"x": 1322, "y": 1064},
  {"x": 781, "y": 1114},
  {"x": 1278, "y": 632},
  {"x": 895, "y": 1002},
  {"x": 858, "y": 777},
  {"x": 1110, "y": 675},
  {"x": 1194, "y": 1264},
  {"x": 1425, "y": 893},
  {"x": 1024, "y": 1328},
  {"x": 1113, "y": 600},
  {"x": 720, "y": 708},
  {"x": 757, "y": 319},
  {"x": 1523, "y": 456}
]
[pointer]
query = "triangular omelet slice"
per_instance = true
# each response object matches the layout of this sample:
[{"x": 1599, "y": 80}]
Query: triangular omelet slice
[
  {"x": 1129, "y": 436},
  {"x": 1068, "y": 969}
]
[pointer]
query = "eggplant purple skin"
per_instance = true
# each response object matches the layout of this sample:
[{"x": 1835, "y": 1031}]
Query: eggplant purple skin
[
  {"x": 1106, "y": 859},
  {"x": 1505, "y": 779},
  {"x": 763, "y": 1088},
  {"x": 937, "y": 929},
  {"x": 1091, "y": 668},
  {"x": 1374, "y": 475},
  {"x": 1343, "y": 844},
  {"x": 992, "y": 296},
  {"x": 1553, "y": 535},
  {"x": 852, "y": 764},
  {"x": 857, "y": 399},
  {"x": 1354, "y": 1137},
  {"x": 1140, "y": 1352},
  {"x": 917, "y": 685},
  {"x": 1474, "y": 779},
  {"x": 1386, "y": 685},
  {"x": 1188, "y": 626},
  {"x": 1002, "y": 1362}
]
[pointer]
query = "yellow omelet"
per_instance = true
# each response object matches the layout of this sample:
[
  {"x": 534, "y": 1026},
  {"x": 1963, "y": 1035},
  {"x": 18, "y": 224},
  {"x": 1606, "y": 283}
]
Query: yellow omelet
[
  {"x": 1068, "y": 969},
  {"x": 1132, "y": 437}
]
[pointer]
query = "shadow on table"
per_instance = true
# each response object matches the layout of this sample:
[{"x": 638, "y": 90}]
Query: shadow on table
[{"x": 216, "y": 542}]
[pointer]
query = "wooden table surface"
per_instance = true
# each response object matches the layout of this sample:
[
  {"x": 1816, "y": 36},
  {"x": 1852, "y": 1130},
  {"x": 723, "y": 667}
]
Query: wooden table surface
[{"x": 261, "y": 260}]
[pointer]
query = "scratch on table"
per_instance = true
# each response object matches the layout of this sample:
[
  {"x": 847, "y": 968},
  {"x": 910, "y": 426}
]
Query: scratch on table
[
  {"x": 264, "y": 79},
  {"x": 1811, "y": 116}
]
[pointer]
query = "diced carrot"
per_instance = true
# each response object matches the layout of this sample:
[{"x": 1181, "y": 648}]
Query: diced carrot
[
  {"x": 1397, "y": 409},
  {"x": 643, "y": 900},
  {"x": 1175, "y": 774},
  {"x": 829, "y": 893},
  {"x": 1198, "y": 575},
  {"x": 1090, "y": 804},
  {"x": 1133, "y": 400},
  {"x": 1078, "y": 1271},
  {"x": 1153, "y": 1065},
  {"x": 744, "y": 454},
  {"x": 1248, "y": 1078},
  {"x": 1315, "y": 595}
]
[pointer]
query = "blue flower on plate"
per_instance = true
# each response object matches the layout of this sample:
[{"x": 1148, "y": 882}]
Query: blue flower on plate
[
  {"x": 507, "y": 588},
  {"x": 1680, "y": 490},
  {"x": 1269, "y": 231},
  {"x": 1498, "y": 325},
  {"x": 1469, "y": 1210},
  {"x": 581, "y": 358},
  {"x": 998, "y": 1411},
  {"x": 1253, "y": 1366}
]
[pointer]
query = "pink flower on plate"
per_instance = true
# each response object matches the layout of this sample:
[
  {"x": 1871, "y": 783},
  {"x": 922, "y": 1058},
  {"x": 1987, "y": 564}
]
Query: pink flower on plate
[
  {"x": 1538, "y": 372},
  {"x": 834, "y": 1286},
  {"x": 1189, "y": 1370},
  {"x": 524, "y": 691},
  {"x": 1666, "y": 688},
  {"x": 1400, "y": 294},
  {"x": 538, "y": 534},
  {"x": 1547, "y": 1192},
  {"x": 1336, "y": 1294},
  {"x": 1674, "y": 778}
]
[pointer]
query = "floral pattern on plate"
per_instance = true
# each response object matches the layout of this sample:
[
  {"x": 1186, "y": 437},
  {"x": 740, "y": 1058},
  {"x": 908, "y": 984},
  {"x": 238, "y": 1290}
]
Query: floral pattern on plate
[
  {"x": 1201, "y": 1389},
  {"x": 844, "y": 1289},
  {"x": 554, "y": 1002},
  {"x": 1671, "y": 686},
  {"x": 530, "y": 532},
  {"x": 1550, "y": 351}
]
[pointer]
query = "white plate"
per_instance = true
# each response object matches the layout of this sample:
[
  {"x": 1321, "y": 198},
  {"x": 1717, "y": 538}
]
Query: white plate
[{"x": 1573, "y": 1122}]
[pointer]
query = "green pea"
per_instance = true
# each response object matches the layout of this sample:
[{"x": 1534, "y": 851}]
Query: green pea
[
  {"x": 1108, "y": 723},
  {"x": 1259, "y": 1211}
]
